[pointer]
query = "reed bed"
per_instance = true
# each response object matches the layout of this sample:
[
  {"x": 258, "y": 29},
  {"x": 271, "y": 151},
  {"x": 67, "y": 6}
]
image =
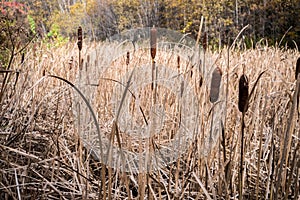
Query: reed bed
[{"x": 48, "y": 137}]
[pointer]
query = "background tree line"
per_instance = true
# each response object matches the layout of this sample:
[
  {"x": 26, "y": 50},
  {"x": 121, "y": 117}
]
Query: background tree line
[{"x": 268, "y": 19}]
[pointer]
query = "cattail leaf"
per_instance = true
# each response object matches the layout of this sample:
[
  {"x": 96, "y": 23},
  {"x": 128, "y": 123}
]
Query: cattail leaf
[
  {"x": 153, "y": 41},
  {"x": 255, "y": 84},
  {"x": 89, "y": 107},
  {"x": 243, "y": 93},
  {"x": 215, "y": 85},
  {"x": 297, "y": 68}
]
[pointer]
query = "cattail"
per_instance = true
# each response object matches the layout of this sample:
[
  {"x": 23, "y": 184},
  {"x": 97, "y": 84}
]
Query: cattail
[
  {"x": 23, "y": 58},
  {"x": 88, "y": 59},
  {"x": 81, "y": 63},
  {"x": 127, "y": 58},
  {"x": 200, "y": 81},
  {"x": 204, "y": 41},
  {"x": 153, "y": 40},
  {"x": 215, "y": 85},
  {"x": 87, "y": 63},
  {"x": 297, "y": 68},
  {"x": 178, "y": 62},
  {"x": 243, "y": 93},
  {"x": 79, "y": 43}
]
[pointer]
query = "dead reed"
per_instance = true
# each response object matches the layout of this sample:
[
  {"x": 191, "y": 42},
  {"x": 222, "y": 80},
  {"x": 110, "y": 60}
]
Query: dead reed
[{"x": 43, "y": 157}]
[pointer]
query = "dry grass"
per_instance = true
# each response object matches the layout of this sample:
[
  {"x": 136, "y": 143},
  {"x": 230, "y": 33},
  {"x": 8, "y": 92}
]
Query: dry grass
[{"x": 43, "y": 157}]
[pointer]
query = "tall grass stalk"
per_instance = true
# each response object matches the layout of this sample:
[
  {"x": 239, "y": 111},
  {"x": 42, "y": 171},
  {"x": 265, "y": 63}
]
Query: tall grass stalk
[{"x": 287, "y": 139}]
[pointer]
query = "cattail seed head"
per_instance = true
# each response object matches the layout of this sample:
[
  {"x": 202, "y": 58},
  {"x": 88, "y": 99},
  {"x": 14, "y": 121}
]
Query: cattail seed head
[
  {"x": 153, "y": 41},
  {"x": 88, "y": 59},
  {"x": 87, "y": 63},
  {"x": 243, "y": 93},
  {"x": 127, "y": 58},
  {"x": 200, "y": 81},
  {"x": 81, "y": 64},
  {"x": 178, "y": 62},
  {"x": 23, "y": 58},
  {"x": 204, "y": 41},
  {"x": 215, "y": 85},
  {"x": 297, "y": 68},
  {"x": 79, "y": 42}
]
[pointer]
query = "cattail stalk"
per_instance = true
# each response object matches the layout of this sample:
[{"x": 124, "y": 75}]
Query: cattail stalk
[
  {"x": 153, "y": 46},
  {"x": 243, "y": 106}
]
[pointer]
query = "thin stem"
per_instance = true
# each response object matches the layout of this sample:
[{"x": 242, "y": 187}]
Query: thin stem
[{"x": 242, "y": 158}]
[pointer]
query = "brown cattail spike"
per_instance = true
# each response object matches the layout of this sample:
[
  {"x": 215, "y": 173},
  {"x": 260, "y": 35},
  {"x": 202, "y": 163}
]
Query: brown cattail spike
[
  {"x": 178, "y": 62},
  {"x": 297, "y": 68},
  {"x": 23, "y": 58},
  {"x": 88, "y": 59},
  {"x": 79, "y": 43},
  {"x": 81, "y": 64},
  {"x": 153, "y": 41},
  {"x": 243, "y": 93},
  {"x": 200, "y": 81},
  {"x": 127, "y": 58},
  {"x": 204, "y": 41},
  {"x": 215, "y": 85}
]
